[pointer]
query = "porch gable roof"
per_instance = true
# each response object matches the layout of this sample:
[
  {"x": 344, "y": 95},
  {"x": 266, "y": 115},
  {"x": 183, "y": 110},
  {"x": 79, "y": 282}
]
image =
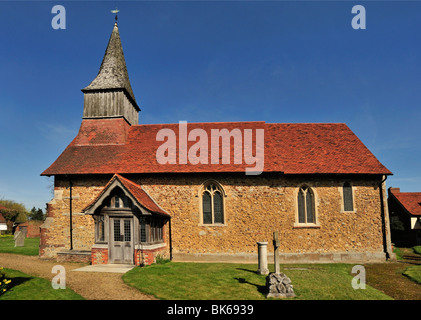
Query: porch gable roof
[{"x": 134, "y": 191}]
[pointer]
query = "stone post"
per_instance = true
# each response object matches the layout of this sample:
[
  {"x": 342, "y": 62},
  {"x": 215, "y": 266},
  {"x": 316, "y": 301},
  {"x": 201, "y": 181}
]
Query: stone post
[{"x": 263, "y": 258}]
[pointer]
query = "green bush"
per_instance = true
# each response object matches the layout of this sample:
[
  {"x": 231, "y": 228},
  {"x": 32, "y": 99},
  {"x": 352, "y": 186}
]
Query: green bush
[{"x": 159, "y": 259}]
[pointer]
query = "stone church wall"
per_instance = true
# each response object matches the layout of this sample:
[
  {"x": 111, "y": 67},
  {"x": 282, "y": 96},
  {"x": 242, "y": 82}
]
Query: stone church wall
[{"x": 255, "y": 207}]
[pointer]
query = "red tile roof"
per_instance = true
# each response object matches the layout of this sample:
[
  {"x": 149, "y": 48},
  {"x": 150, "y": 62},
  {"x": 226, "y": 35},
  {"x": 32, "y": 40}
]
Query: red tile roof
[
  {"x": 108, "y": 146},
  {"x": 140, "y": 195},
  {"x": 2, "y": 219},
  {"x": 411, "y": 201}
]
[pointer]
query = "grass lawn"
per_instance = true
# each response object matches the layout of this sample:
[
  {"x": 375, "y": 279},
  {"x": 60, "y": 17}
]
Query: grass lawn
[
  {"x": 30, "y": 248},
  {"x": 413, "y": 273},
  {"x": 26, "y": 287},
  {"x": 220, "y": 281}
]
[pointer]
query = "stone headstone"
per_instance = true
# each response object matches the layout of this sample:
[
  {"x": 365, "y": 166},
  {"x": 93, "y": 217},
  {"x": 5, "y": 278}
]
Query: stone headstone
[
  {"x": 19, "y": 239},
  {"x": 279, "y": 286}
]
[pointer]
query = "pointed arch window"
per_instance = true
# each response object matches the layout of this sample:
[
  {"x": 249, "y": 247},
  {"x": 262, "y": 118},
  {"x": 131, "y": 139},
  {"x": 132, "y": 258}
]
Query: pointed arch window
[
  {"x": 348, "y": 201},
  {"x": 212, "y": 204},
  {"x": 306, "y": 209}
]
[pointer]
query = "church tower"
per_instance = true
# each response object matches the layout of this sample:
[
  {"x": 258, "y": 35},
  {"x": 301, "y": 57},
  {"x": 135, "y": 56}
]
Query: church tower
[{"x": 110, "y": 94}]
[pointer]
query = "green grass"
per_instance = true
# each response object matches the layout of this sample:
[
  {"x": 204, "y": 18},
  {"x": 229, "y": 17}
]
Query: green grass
[
  {"x": 26, "y": 287},
  {"x": 30, "y": 248},
  {"x": 399, "y": 253},
  {"x": 218, "y": 281},
  {"x": 413, "y": 273}
]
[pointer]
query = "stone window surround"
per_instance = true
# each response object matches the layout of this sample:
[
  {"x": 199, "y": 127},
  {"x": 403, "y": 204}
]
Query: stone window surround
[
  {"x": 199, "y": 196},
  {"x": 316, "y": 211}
]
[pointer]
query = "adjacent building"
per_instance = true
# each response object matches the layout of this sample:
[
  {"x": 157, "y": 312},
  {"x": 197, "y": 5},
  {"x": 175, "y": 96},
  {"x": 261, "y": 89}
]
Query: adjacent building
[{"x": 405, "y": 217}]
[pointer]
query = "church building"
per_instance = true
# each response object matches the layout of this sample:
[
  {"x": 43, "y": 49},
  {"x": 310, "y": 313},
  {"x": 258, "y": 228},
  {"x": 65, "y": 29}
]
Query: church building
[{"x": 132, "y": 193}]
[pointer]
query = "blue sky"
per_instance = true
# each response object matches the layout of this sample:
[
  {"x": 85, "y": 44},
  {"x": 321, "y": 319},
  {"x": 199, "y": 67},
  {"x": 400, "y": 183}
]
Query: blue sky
[{"x": 274, "y": 61}]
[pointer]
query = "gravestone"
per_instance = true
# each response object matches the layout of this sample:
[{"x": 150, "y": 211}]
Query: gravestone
[
  {"x": 19, "y": 239},
  {"x": 278, "y": 285}
]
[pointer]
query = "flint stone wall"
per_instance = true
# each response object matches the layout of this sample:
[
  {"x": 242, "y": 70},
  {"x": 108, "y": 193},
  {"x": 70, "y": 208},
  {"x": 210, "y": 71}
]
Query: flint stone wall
[{"x": 254, "y": 207}]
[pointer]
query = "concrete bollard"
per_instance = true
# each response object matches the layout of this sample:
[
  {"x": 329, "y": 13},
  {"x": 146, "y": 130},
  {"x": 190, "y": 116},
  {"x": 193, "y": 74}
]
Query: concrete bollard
[{"x": 263, "y": 258}]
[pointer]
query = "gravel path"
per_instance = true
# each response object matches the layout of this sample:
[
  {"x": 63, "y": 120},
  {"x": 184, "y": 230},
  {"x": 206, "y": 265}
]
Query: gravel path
[{"x": 90, "y": 285}]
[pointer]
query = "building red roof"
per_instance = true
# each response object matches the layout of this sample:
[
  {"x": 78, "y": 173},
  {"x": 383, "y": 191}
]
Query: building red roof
[
  {"x": 411, "y": 201},
  {"x": 141, "y": 196},
  {"x": 2, "y": 219},
  {"x": 108, "y": 146}
]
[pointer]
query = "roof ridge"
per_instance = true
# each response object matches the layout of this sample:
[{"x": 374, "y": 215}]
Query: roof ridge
[{"x": 212, "y": 122}]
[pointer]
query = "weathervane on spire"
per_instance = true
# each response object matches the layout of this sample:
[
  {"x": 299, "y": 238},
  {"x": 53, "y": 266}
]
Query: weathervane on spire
[{"x": 115, "y": 11}]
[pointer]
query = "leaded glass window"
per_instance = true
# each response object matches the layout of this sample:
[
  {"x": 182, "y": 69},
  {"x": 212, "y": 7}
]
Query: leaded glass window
[
  {"x": 301, "y": 207},
  {"x": 117, "y": 236},
  {"x": 347, "y": 196},
  {"x": 212, "y": 204},
  {"x": 217, "y": 208},
  {"x": 151, "y": 229},
  {"x": 207, "y": 208},
  {"x": 127, "y": 231},
  {"x": 306, "y": 210}
]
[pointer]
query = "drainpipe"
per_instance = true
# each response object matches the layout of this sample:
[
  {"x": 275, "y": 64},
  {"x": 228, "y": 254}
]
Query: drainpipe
[
  {"x": 71, "y": 218},
  {"x": 169, "y": 225},
  {"x": 387, "y": 243}
]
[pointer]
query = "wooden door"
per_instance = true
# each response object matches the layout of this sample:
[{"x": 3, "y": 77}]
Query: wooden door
[{"x": 121, "y": 244}]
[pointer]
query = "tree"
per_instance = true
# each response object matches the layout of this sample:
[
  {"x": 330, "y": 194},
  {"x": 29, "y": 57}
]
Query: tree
[
  {"x": 13, "y": 212},
  {"x": 36, "y": 214}
]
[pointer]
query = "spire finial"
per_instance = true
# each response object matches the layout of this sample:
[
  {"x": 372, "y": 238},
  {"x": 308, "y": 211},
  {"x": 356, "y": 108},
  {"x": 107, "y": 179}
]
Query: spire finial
[{"x": 115, "y": 11}]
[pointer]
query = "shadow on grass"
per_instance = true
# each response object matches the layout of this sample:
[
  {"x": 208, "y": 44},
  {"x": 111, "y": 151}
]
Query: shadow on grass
[
  {"x": 261, "y": 289},
  {"x": 248, "y": 270},
  {"x": 16, "y": 281}
]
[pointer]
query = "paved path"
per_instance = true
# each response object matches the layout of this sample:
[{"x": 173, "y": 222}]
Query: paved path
[{"x": 90, "y": 285}]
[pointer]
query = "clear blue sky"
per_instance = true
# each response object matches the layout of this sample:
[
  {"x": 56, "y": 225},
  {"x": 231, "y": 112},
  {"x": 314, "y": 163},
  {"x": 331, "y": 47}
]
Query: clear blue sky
[{"x": 275, "y": 61}]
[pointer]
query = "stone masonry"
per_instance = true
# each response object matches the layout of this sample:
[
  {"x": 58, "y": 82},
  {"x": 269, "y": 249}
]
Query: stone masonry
[{"x": 255, "y": 206}]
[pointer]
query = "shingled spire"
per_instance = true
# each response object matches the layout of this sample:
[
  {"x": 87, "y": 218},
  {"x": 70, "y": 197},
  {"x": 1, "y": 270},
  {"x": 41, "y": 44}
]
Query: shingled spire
[{"x": 110, "y": 94}]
